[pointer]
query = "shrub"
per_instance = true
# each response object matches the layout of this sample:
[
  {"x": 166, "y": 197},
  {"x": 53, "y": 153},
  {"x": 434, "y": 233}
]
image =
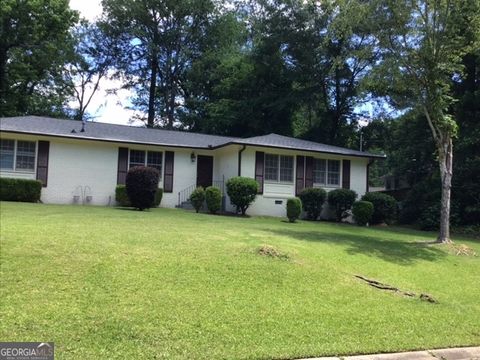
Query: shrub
[
  {"x": 294, "y": 209},
  {"x": 312, "y": 201},
  {"x": 142, "y": 186},
  {"x": 341, "y": 200},
  {"x": 429, "y": 219},
  {"x": 121, "y": 196},
  {"x": 362, "y": 212},
  {"x": 20, "y": 190},
  {"x": 384, "y": 206},
  {"x": 158, "y": 197},
  {"x": 242, "y": 192},
  {"x": 213, "y": 198},
  {"x": 197, "y": 198}
]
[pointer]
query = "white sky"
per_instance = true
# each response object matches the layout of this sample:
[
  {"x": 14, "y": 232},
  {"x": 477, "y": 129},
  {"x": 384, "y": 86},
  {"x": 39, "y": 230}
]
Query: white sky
[{"x": 104, "y": 107}]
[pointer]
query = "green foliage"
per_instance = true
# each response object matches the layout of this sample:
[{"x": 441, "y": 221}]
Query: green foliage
[
  {"x": 242, "y": 192},
  {"x": 429, "y": 219},
  {"x": 213, "y": 199},
  {"x": 362, "y": 212},
  {"x": 121, "y": 196},
  {"x": 142, "y": 186},
  {"x": 294, "y": 209},
  {"x": 197, "y": 198},
  {"x": 158, "y": 197},
  {"x": 341, "y": 200},
  {"x": 35, "y": 47},
  {"x": 384, "y": 207},
  {"x": 312, "y": 201},
  {"x": 20, "y": 190}
]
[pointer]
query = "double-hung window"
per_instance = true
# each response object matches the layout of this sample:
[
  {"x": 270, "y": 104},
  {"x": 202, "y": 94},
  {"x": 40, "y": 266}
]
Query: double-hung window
[
  {"x": 146, "y": 158},
  {"x": 17, "y": 155},
  {"x": 278, "y": 168},
  {"x": 326, "y": 172}
]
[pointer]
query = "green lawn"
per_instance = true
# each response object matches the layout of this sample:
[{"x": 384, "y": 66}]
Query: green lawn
[{"x": 112, "y": 283}]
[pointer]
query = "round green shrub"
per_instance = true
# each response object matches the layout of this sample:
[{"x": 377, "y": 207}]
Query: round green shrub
[
  {"x": 142, "y": 186},
  {"x": 242, "y": 192},
  {"x": 294, "y": 209},
  {"x": 312, "y": 201},
  {"x": 384, "y": 207},
  {"x": 197, "y": 198},
  {"x": 341, "y": 200},
  {"x": 213, "y": 198},
  {"x": 362, "y": 212}
]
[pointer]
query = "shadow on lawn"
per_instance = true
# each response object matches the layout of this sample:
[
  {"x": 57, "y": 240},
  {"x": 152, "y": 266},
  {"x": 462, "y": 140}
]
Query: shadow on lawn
[{"x": 396, "y": 251}]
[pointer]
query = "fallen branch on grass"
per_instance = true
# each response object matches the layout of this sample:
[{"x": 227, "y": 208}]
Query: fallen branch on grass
[{"x": 382, "y": 286}]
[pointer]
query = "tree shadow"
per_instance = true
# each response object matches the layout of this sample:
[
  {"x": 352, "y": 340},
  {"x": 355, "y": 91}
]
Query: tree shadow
[{"x": 373, "y": 244}]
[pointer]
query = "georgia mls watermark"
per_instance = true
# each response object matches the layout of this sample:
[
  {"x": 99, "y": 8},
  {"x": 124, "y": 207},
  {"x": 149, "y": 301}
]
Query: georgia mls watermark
[{"x": 26, "y": 350}]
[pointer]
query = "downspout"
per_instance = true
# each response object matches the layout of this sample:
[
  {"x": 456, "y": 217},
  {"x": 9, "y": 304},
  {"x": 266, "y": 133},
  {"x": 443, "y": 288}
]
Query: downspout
[
  {"x": 240, "y": 159},
  {"x": 370, "y": 162}
]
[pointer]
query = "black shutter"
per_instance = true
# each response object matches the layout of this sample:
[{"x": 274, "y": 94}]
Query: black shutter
[
  {"x": 259, "y": 169},
  {"x": 346, "y": 174},
  {"x": 122, "y": 168},
  {"x": 42, "y": 162},
  {"x": 309, "y": 172},
  {"x": 168, "y": 172},
  {"x": 300, "y": 174}
]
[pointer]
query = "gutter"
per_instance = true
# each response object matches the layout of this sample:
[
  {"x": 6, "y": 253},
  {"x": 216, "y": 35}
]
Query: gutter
[{"x": 240, "y": 159}]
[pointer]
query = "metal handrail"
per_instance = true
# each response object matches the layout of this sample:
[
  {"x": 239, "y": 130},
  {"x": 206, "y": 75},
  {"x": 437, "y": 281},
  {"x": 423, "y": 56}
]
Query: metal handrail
[{"x": 184, "y": 195}]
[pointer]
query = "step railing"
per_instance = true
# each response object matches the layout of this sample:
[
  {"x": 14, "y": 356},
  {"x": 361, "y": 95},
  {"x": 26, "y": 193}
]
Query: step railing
[{"x": 184, "y": 195}]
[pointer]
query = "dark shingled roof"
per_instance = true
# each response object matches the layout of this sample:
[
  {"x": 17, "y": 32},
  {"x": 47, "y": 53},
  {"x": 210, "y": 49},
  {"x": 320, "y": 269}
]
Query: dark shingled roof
[{"x": 140, "y": 135}]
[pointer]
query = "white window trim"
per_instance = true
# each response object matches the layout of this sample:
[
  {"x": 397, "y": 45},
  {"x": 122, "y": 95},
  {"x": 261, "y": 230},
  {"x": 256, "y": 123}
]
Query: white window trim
[
  {"x": 278, "y": 171},
  {"x": 340, "y": 174},
  {"x": 22, "y": 171},
  {"x": 145, "y": 161}
]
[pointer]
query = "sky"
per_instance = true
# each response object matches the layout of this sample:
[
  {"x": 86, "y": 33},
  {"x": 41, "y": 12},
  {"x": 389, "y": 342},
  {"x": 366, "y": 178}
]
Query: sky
[{"x": 104, "y": 107}]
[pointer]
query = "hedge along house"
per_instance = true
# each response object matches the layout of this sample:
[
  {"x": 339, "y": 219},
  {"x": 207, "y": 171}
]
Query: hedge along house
[{"x": 83, "y": 162}]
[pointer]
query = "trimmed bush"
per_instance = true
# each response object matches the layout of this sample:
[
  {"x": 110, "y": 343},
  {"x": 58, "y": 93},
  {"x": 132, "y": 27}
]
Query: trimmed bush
[
  {"x": 158, "y": 197},
  {"x": 20, "y": 190},
  {"x": 384, "y": 207},
  {"x": 341, "y": 200},
  {"x": 197, "y": 198},
  {"x": 142, "y": 186},
  {"x": 242, "y": 192},
  {"x": 312, "y": 201},
  {"x": 121, "y": 196},
  {"x": 294, "y": 209},
  {"x": 362, "y": 212},
  {"x": 213, "y": 198}
]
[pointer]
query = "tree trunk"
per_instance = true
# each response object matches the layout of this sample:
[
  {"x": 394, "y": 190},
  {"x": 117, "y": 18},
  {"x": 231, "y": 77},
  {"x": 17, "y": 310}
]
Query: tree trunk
[
  {"x": 445, "y": 159},
  {"x": 152, "y": 90}
]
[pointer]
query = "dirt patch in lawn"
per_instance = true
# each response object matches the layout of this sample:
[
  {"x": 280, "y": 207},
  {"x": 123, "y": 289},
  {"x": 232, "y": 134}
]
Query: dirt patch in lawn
[
  {"x": 272, "y": 252},
  {"x": 460, "y": 250}
]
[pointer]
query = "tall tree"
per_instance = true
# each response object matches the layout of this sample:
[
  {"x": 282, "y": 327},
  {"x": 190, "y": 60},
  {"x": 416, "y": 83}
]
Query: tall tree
[
  {"x": 159, "y": 40},
  {"x": 93, "y": 58},
  {"x": 424, "y": 42},
  {"x": 35, "y": 44}
]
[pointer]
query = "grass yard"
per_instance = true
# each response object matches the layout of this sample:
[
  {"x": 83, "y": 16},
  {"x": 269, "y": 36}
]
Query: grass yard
[{"x": 119, "y": 284}]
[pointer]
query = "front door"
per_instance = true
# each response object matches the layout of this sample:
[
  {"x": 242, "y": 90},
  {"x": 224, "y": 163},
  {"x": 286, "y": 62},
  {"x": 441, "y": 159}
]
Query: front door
[{"x": 204, "y": 170}]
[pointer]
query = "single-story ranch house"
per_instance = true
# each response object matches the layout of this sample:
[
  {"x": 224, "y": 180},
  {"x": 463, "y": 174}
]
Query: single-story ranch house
[{"x": 83, "y": 162}]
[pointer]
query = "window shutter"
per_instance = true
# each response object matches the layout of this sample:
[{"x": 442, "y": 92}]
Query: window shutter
[
  {"x": 259, "y": 169},
  {"x": 309, "y": 172},
  {"x": 346, "y": 174},
  {"x": 122, "y": 168},
  {"x": 300, "y": 174},
  {"x": 168, "y": 172},
  {"x": 42, "y": 162}
]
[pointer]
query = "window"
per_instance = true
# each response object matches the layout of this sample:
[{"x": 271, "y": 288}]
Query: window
[
  {"x": 319, "y": 171},
  {"x": 146, "y": 158},
  {"x": 333, "y": 172},
  {"x": 326, "y": 172},
  {"x": 278, "y": 168},
  {"x": 17, "y": 155}
]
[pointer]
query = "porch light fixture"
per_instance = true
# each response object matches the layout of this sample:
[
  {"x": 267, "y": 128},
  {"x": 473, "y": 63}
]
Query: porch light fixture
[{"x": 193, "y": 157}]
